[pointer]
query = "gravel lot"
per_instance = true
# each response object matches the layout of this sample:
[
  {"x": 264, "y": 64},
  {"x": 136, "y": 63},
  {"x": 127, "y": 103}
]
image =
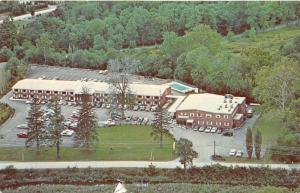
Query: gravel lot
[
  {"x": 9, "y": 129},
  {"x": 64, "y": 73}
]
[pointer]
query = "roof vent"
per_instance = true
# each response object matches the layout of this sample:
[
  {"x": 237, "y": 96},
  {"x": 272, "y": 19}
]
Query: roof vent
[
  {"x": 235, "y": 101},
  {"x": 231, "y": 106},
  {"x": 220, "y": 106},
  {"x": 226, "y": 106},
  {"x": 230, "y": 101},
  {"x": 225, "y": 101},
  {"x": 229, "y": 110}
]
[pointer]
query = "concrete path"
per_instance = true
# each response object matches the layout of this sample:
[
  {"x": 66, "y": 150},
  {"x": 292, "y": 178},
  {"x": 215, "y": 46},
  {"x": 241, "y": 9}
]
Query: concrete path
[
  {"x": 28, "y": 16},
  {"x": 131, "y": 164}
]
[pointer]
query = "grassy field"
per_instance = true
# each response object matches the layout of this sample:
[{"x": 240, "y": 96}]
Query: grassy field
[
  {"x": 271, "y": 128},
  {"x": 126, "y": 142},
  {"x": 5, "y": 113},
  {"x": 271, "y": 40}
]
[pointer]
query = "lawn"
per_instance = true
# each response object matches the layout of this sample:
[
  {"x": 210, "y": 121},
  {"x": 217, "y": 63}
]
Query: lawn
[
  {"x": 271, "y": 128},
  {"x": 126, "y": 142},
  {"x": 271, "y": 40},
  {"x": 5, "y": 113}
]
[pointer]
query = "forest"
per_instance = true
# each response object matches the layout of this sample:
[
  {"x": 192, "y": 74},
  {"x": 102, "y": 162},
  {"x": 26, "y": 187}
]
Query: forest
[{"x": 188, "y": 41}]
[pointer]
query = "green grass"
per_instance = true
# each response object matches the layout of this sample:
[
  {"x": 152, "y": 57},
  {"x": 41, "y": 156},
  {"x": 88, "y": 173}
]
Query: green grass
[
  {"x": 271, "y": 128},
  {"x": 5, "y": 113},
  {"x": 269, "y": 40},
  {"x": 126, "y": 142}
]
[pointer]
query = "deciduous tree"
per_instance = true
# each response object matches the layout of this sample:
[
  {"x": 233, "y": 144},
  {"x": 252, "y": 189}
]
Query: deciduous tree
[{"x": 185, "y": 152}]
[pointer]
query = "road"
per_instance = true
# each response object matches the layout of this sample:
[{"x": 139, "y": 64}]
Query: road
[
  {"x": 28, "y": 16},
  {"x": 132, "y": 164}
]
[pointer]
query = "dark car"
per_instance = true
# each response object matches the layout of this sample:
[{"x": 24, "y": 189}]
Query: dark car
[
  {"x": 228, "y": 133},
  {"x": 22, "y": 135}
]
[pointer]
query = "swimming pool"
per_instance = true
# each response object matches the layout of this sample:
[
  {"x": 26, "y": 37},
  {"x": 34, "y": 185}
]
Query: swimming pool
[{"x": 180, "y": 87}]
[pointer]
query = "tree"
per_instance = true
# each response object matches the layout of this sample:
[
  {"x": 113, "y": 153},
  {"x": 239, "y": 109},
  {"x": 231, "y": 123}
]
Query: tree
[
  {"x": 257, "y": 144},
  {"x": 86, "y": 133},
  {"x": 249, "y": 143},
  {"x": 36, "y": 124},
  {"x": 277, "y": 86},
  {"x": 185, "y": 152},
  {"x": 119, "y": 80},
  {"x": 56, "y": 125},
  {"x": 160, "y": 125},
  {"x": 44, "y": 45},
  {"x": 8, "y": 34},
  {"x": 12, "y": 65}
]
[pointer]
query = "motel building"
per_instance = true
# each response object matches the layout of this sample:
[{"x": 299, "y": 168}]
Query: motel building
[
  {"x": 211, "y": 110},
  {"x": 70, "y": 91}
]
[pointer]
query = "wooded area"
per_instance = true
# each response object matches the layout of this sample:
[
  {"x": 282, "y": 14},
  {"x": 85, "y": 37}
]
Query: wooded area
[{"x": 188, "y": 41}]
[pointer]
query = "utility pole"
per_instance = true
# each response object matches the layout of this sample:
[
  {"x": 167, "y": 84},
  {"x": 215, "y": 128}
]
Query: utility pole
[{"x": 214, "y": 148}]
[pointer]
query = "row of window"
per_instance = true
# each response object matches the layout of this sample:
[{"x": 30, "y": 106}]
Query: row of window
[
  {"x": 210, "y": 123},
  {"x": 44, "y": 91},
  {"x": 207, "y": 115}
]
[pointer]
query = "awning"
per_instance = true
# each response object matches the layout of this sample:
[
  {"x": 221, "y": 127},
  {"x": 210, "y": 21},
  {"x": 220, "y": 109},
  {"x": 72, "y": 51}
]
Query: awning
[{"x": 190, "y": 121}]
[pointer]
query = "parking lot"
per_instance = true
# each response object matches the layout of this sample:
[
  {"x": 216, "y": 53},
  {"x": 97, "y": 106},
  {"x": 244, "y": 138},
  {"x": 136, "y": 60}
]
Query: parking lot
[
  {"x": 9, "y": 130},
  {"x": 203, "y": 142},
  {"x": 73, "y": 74}
]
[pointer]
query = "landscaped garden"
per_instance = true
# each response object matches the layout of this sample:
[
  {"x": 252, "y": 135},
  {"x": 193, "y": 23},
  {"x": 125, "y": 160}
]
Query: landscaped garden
[
  {"x": 5, "y": 112},
  {"x": 125, "y": 142}
]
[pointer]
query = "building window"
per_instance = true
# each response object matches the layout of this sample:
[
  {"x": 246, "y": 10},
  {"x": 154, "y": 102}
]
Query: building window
[
  {"x": 16, "y": 90},
  {"x": 192, "y": 114},
  {"x": 24, "y": 90},
  {"x": 156, "y": 97},
  {"x": 148, "y": 97},
  {"x": 199, "y": 114},
  {"x": 40, "y": 91},
  {"x": 63, "y": 92},
  {"x": 55, "y": 92},
  {"x": 208, "y": 115},
  {"x": 71, "y": 93},
  {"x": 226, "y": 124},
  {"x": 218, "y": 116},
  {"x": 219, "y": 123},
  {"x": 185, "y": 114},
  {"x": 225, "y": 116},
  {"x": 47, "y": 91},
  {"x": 208, "y": 122}
]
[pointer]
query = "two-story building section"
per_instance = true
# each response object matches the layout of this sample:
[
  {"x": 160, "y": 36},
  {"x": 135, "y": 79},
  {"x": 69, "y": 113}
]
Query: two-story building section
[
  {"x": 212, "y": 110},
  {"x": 145, "y": 94}
]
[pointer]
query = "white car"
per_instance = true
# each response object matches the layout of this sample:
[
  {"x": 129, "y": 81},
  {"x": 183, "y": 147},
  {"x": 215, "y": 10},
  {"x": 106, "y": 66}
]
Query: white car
[
  {"x": 207, "y": 130},
  {"x": 22, "y": 126},
  {"x": 67, "y": 132},
  {"x": 239, "y": 153},
  {"x": 214, "y": 129},
  {"x": 201, "y": 129},
  {"x": 232, "y": 152}
]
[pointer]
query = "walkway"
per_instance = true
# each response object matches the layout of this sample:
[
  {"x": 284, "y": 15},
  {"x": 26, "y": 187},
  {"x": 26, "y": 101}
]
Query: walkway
[
  {"x": 131, "y": 164},
  {"x": 28, "y": 16}
]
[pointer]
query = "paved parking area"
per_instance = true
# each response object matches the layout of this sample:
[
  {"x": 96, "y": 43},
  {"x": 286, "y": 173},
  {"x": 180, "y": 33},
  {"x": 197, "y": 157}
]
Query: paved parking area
[
  {"x": 203, "y": 142},
  {"x": 65, "y": 73},
  {"x": 9, "y": 129}
]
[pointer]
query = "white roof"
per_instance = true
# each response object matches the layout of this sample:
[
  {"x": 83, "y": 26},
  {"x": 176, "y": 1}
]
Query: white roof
[
  {"x": 210, "y": 103},
  {"x": 174, "y": 106},
  {"x": 94, "y": 87}
]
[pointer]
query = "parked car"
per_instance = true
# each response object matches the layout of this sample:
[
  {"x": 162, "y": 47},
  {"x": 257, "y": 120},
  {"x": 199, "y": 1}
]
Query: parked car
[
  {"x": 214, "y": 129},
  {"x": 128, "y": 118},
  {"x": 67, "y": 132},
  {"x": 23, "y": 126},
  {"x": 29, "y": 102},
  {"x": 220, "y": 130},
  {"x": 142, "y": 108},
  {"x": 201, "y": 129},
  {"x": 228, "y": 133},
  {"x": 22, "y": 135},
  {"x": 239, "y": 153},
  {"x": 207, "y": 130},
  {"x": 154, "y": 108},
  {"x": 136, "y": 108},
  {"x": 232, "y": 152},
  {"x": 103, "y": 105},
  {"x": 196, "y": 129},
  {"x": 108, "y": 106},
  {"x": 148, "y": 108},
  {"x": 145, "y": 121}
]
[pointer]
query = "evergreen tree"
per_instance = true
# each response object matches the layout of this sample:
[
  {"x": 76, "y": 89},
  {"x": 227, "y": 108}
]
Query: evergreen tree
[
  {"x": 159, "y": 127},
  {"x": 8, "y": 34},
  {"x": 257, "y": 144},
  {"x": 86, "y": 133},
  {"x": 56, "y": 125},
  {"x": 36, "y": 124},
  {"x": 249, "y": 143},
  {"x": 185, "y": 152}
]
